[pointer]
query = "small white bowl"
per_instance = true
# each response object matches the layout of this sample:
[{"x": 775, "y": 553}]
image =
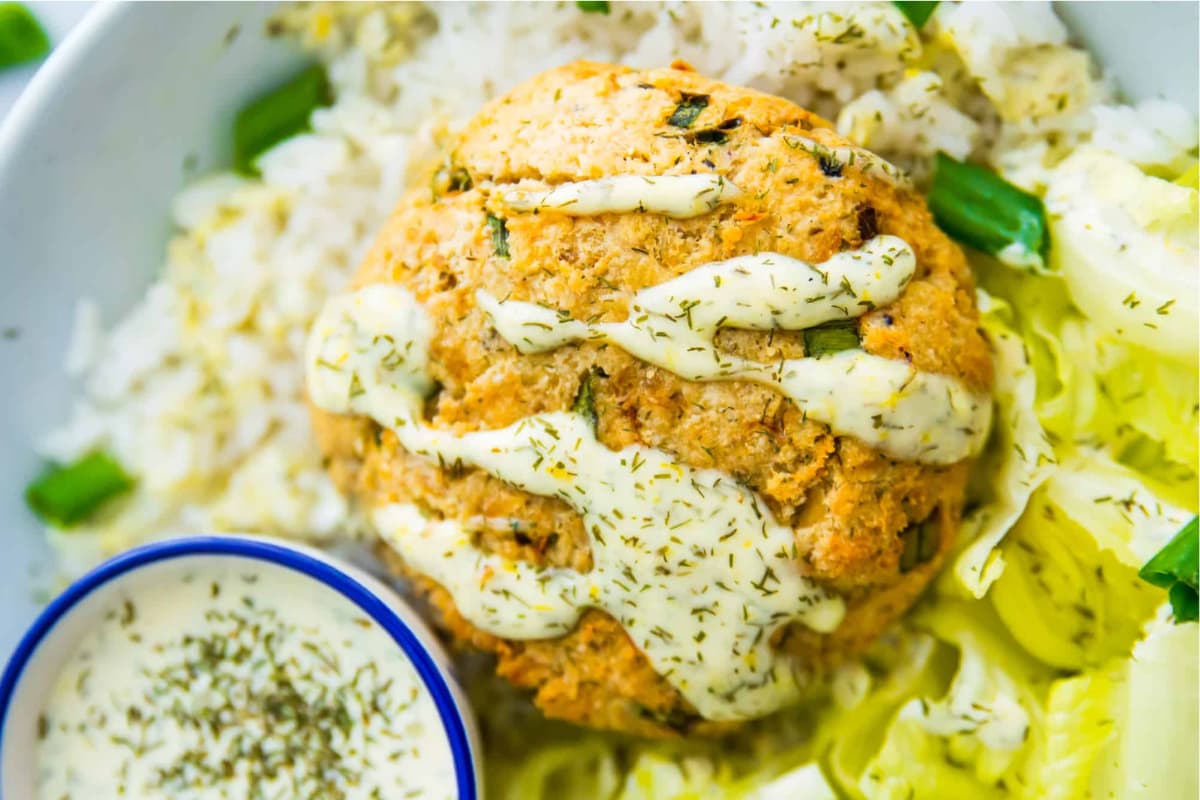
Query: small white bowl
[{"x": 42, "y": 653}]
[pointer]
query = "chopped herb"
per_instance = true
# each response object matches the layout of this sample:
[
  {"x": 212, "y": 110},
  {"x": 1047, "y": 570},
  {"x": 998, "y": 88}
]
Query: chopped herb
[
  {"x": 688, "y": 109},
  {"x": 280, "y": 114},
  {"x": 730, "y": 124},
  {"x": 832, "y": 337},
  {"x": 593, "y": 6},
  {"x": 1176, "y": 568},
  {"x": 499, "y": 228},
  {"x": 22, "y": 37},
  {"x": 65, "y": 495},
  {"x": 917, "y": 12},
  {"x": 981, "y": 209}
]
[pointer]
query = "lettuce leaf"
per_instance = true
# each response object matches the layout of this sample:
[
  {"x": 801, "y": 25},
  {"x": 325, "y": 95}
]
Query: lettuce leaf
[
  {"x": 1126, "y": 243},
  {"x": 1095, "y": 390},
  {"x": 851, "y": 738},
  {"x": 970, "y": 738},
  {"x": 914, "y": 764},
  {"x": 1153, "y": 707},
  {"x": 1077, "y": 726},
  {"x": 1071, "y": 594},
  {"x": 1018, "y": 458}
]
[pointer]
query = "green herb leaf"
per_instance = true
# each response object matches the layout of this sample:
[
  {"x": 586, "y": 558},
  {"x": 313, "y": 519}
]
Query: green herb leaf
[
  {"x": 65, "y": 495},
  {"x": 278, "y": 115},
  {"x": 499, "y": 235},
  {"x": 593, "y": 6},
  {"x": 832, "y": 337},
  {"x": 981, "y": 209},
  {"x": 918, "y": 12},
  {"x": 1176, "y": 568},
  {"x": 22, "y": 37},
  {"x": 688, "y": 109},
  {"x": 585, "y": 398}
]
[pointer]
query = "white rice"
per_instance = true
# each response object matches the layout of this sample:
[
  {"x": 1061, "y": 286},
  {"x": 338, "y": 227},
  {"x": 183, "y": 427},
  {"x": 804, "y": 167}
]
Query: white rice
[{"x": 198, "y": 390}]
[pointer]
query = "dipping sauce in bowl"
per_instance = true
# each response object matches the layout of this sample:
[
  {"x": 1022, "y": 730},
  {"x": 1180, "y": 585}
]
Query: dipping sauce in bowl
[{"x": 218, "y": 675}]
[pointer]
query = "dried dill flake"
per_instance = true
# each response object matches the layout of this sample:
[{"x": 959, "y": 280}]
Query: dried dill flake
[
  {"x": 499, "y": 228},
  {"x": 688, "y": 110},
  {"x": 593, "y": 6}
]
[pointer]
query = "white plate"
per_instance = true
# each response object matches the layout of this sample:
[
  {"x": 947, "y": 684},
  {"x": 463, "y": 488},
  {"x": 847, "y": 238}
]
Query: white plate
[{"x": 140, "y": 98}]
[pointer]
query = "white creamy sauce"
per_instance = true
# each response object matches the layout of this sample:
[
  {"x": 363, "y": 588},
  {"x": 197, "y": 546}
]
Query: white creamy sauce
[
  {"x": 906, "y": 413},
  {"x": 232, "y": 678},
  {"x": 679, "y": 196},
  {"x": 832, "y": 159},
  {"x": 693, "y": 565}
]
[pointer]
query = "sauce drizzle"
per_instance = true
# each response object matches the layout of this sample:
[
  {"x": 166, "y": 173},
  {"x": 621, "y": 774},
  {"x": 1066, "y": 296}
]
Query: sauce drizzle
[
  {"x": 678, "y": 196},
  {"x": 884, "y": 402}
]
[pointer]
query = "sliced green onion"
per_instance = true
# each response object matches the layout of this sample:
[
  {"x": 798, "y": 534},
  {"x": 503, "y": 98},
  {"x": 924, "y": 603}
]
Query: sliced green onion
[
  {"x": 22, "y": 37},
  {"x": 499, "y": 228},
  {"x": 593, "y": 6},
  {"x": 1176, "y": 568},
  {"x": 981, "y": 209},
  {"x": 918, "y": 12},
  {"x": 278, "y": 115},
  {"x": 832, "y": 337},
  {"x": 920, "y": 545},
  {"x": 688, "y": 109},
  {"x": 65, "y": 495},
  {"x": 585, "y": 399}
]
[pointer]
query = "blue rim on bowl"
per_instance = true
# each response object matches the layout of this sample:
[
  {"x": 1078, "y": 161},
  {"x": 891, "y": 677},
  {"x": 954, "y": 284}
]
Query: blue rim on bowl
[{"x": 326, "y": 573}]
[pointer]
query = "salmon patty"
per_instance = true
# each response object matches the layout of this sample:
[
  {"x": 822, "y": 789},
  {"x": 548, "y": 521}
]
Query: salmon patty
[{"x": 868, "y": 526}]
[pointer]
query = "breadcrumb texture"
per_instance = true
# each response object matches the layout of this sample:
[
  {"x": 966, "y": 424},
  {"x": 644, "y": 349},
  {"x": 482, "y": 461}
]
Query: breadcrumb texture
[{"x": 851, "y": 506}]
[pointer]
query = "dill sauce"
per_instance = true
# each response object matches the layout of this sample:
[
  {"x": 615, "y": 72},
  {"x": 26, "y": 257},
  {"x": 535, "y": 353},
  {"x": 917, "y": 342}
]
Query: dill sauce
[
  {"x": 884, "y": 402},
  {"x": 235, "y": 678}
]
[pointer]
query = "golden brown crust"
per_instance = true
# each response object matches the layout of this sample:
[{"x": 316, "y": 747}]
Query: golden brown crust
[{"x": 849, "y": 503}]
